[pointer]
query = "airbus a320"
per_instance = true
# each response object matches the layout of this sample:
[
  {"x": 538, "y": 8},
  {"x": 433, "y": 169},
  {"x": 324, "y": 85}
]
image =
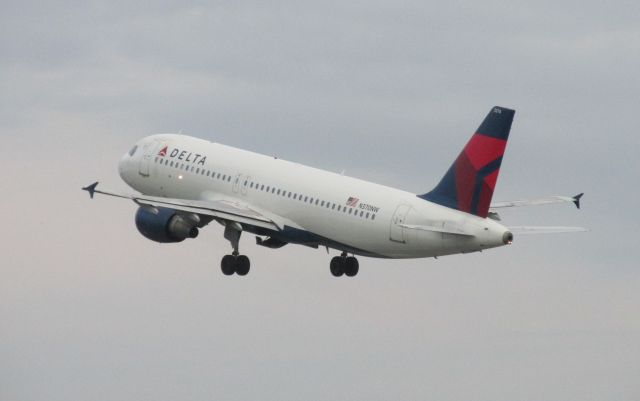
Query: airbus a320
[{"x": 185, "y": 183}]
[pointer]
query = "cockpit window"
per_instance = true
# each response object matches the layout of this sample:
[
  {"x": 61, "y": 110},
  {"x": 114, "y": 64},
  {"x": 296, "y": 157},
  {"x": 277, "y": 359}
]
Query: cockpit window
[{"x": 133, "y": 150}]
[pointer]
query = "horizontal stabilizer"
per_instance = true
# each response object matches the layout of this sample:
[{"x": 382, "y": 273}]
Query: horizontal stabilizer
[
  {"x": 526, "y": 230},
  {"x": 448, "y": 230}
]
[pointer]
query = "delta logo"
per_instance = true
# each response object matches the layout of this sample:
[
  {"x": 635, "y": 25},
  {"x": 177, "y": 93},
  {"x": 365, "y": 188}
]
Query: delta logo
[{"x": 183, "y": 155}]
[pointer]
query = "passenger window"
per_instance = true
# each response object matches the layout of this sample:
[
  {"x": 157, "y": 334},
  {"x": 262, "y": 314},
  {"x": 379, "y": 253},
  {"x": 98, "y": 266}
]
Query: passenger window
[
  {"x": 171, "y": 163},
  {"x": 373, "y": 217},
  {"x": 316, "y": 201},
  {"x": 367, "y": 215},
  {"x": 273, "y": 190},
  {"x": 361, "y": 213},
  {"x": 322, "y": 203},
  {"x": 306, "y": 198},
  {"x": 350, "y": 211},
  {"x": 198, "y": 171}
]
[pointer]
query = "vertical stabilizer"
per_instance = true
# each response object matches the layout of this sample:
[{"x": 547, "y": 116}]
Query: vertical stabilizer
[{"x": 469, "y": 183}]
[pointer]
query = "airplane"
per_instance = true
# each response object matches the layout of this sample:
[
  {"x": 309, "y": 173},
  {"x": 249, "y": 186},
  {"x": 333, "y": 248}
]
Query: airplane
[{"x": 185, "y": 183}]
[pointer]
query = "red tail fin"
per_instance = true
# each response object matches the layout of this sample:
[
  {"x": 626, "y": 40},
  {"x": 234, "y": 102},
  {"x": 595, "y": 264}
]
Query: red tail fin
[{"x": 469, "y": 183}]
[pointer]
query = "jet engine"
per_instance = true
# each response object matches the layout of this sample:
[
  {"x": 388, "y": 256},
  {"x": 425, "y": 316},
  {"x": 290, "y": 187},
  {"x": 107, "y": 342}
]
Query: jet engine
[{"x": 165, "y": 225}]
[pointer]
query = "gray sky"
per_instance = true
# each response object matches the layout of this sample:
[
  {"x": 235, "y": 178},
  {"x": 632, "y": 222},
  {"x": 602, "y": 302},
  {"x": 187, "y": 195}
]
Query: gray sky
[{"x": 389, "y": 91}]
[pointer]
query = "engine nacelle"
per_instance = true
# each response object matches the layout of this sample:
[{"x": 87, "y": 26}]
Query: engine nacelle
[{"x": 165, "y": 225}]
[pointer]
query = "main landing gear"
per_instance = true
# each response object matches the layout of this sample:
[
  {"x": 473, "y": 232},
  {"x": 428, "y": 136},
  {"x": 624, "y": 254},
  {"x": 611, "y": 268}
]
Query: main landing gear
[
  {"x": 343, "y": 264},
  {"x": 234, "y": 263}
]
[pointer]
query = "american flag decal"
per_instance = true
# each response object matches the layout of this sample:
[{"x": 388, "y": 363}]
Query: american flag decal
[{"x": 352, "y": 201}]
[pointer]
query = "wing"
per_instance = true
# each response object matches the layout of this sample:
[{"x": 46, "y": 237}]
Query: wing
[
  {"x": 541, "y": 201},
  {"x": 217, "y": 209}
]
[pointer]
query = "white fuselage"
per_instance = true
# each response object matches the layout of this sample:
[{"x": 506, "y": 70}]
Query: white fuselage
[{"x": 344, "y": 212}]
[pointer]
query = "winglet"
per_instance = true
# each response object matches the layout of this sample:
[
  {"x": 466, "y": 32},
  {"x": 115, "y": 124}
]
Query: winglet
[
  {"x": 91, "y": 189},
  {"x": 576, "y": 200}
]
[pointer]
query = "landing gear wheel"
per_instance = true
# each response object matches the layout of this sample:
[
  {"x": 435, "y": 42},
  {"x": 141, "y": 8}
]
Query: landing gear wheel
[
  {"x": 228, "y": 265},
  {"x": 351, "y": 266},
  {"x": 337, "y": 266},
  {"x": 242, "y": 265}
]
